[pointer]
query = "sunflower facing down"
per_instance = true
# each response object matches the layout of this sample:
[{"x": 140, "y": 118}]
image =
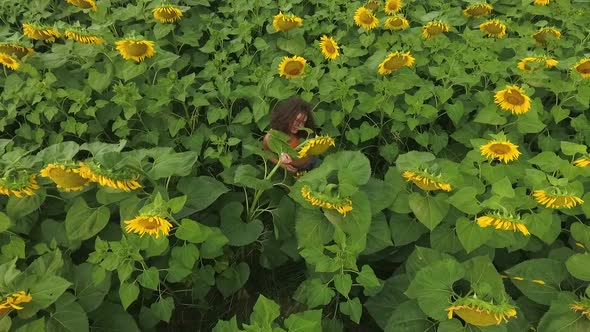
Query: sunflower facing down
[
  {"x": 167, "y": 14},
  {"x": 554, "y": 198},
  {"x": 124, "y": 179},
  {"x": 326, "y": 201},
  {"x": 513, "y": 99},
  {"x": 582, "y": 162},
  {"x": 426, "y": 181},
  {"x": 541, "y": 36},
  {"x": 84, "y": 38},
  {"x": 503, "y": 221},
  {"x": 532, "y": 63},
  {"x": 66, "y": 177},
  {"x": 502, "y": 150},
  {"x": 18, "y": 184},
  {"x": 40, "y": 32},
  {"x": 136, "y": 50},
  {"x": 477, "y": 10},
  {"x": 15, "y": 49},
  {"x": 372, "y": 5},
  {"x": 582, "y": 306},
  {"x": 315, "y": 146},
  {"x": 493, "y": 29},
  {"x": 329, "y": 47},
  {"x": 153, "y": 225},
  {"x": 14, "y": 302},
  {"x": 541, "y": 2},
  {"x": 481, "y": 313},
  {"x": 84, "y": 4},
  {"x": 583, "y": 67},
  {"x": 397, "y": 23},
  {"x": 434, "y": 28},
  {"x": 365, "y": 19},
  {"x": 282, "y": 22},
  {"x": 292, "y": 67},
  {"x": 9, "y": 62},
  {"x": 393, "y": 6},
  {"x": 395, "y": 61}
]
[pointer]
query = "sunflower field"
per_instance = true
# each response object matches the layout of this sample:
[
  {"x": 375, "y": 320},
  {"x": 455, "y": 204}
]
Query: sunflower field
[{"x": 453, "y": 192}]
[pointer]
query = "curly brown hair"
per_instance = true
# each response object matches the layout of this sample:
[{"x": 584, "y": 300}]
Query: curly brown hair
[{"x": 286, "y": 111}]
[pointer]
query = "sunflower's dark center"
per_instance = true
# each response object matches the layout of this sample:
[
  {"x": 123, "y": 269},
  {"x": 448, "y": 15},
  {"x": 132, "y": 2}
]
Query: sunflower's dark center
[
  {"x": 168, "y": 13},
  {"x": 393, "y": 6},
  {"x": 366, "y": 18},
  {"x": 293, "y": 67},
  {"x": 514, "y": 97},
  {"x": 435, "y": 29},
  {"x": 584, "y": 68},
  {"x": 8, "y": 60},
  {"x": 494, "y": 28},
  {"x": 395, "y": 63},
  {"x": 500, "y": 148},
  {"x": 396, "y": 22},
  {"x": 149, "y": 223},
  {"x": 67, "y": 179},
  {"x": 84, "y": 4},
  {"x": 136, "y": 49},
  {"x": 478, "y": 11}
]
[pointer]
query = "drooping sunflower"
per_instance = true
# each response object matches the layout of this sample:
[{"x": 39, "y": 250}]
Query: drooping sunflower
[
  {"x": 123, "y": 179},
  {"x": 282, "y": 22},
  {"x": 167, "y": 13},
  {"x": 541, "y": 2},
  {"x": 365, "y": 19},
  {"x": 372, "y": 5},
  {"x": 84, "y": 4},
  {"x": 555, "y": 198},
  {"x": 502, "y": 150},
  {"x": 326, "y": 201},
  {"x": 12, "y": 302},
  {"x": 393, "y": 6},
  {"x": 426, "y": 181},
  {"x": 434, "y": 28},
  {"x": 583, "y": 67},
  {"x": 329, "y": 47},
  {"x": 582, "y": 306},
  {"x": 477, "y": 10},
  {"x": 150, "y": 224},
  {"x": 292, "y": 67},
  {"x": 40, "y": 32},
  {"x": 395, "y": 61},
  {"x": 398, "y": 22},
  {"x": 19, "y": 184},
  {"x": 541, "y": 36},
  {"x": 8, "y": 61},
  {"x": 15, "y": 49},
  {"x": 532, "y": 63},
  {"x": 315, "y": 146},
  {"x": 503, "y": 221},
  {"x": 582, "y": 162},
  {"x": 493, "y": 28},
  {"x": 481, "y": 313},
  {"x": 83, "y": 37},
  {"x": 135, "y": 49},
  {"x": 513, "y": 99},
  {"x": 65, "y": 176}
]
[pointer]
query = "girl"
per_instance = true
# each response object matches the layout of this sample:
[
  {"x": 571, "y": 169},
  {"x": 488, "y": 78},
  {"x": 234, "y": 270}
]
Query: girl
[{"x": 288, "y": 117}]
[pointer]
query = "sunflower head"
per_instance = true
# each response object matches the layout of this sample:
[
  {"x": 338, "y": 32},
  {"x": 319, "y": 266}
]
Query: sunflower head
[
  {"x": 533, "y": 63},
  {"x": 503, "y": 220},
  {"x": 583, "y": 67},
  {"x": 123, "y": 179},
  {"x": 316, "y": 146},
  {"x": 582, "y": 307},
  {"x": 292, "y": 67},
  {"x": 372, "y": 5},
  {"x": 426, "y": 180},
  {"x": 513, "y": 99},
  {"x": 434, "y": 28},
  {"x": 84, "y": 4},
  {"x": 135, "y": 49},
  {"x": 398, "y": 22},
  {"x": 543, "y": 36},
  {"x": 481, "y": 313},
  {"x": 393, "y": 6},
  {"x": 18, "y": 183},
  {"x": 167, "y": 13},
  {"x": 65, "y": 176},
  {"x": 40, "y": 32},
  {"x": 365, "y": 19},
  {"x": 500, "y": 149},
  {"x": 556, "y": 198},
  {"x": 395, "y": 61},
  {"x": 329, "y": 47},
  {"x": 9, "y": 61},
  {"x": 282, "y": 22},
  {"x": 15, "y": 49},
  {"x": 326, "y": 200},
  {"x": 15, "y": 301},
  {"x": 541, "y": 2},
  {"x": 83, "y": 37},
  {"x": 150, "y": 224},
  {"x": 477, "y": 10},
  {"x": 582, "y": 162},
  {"x": 493, "y": 28}
]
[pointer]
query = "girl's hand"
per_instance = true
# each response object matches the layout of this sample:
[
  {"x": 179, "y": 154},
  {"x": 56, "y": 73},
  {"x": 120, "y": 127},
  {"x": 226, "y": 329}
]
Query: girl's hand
[
  {"x": 286, "y": 159},
  {"x": 289, "y": 168}
]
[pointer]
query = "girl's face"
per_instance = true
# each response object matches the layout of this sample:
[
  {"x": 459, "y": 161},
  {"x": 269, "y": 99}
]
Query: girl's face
[{"x": 299, "y": 121}]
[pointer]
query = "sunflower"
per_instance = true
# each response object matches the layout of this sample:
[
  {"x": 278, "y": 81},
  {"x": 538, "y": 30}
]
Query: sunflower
[
  {"x": 493, "y": 28},
  {"x": 477, "y": 10},
  {"x": 329, "y": 47},
  {"x": 513, "y": 99},
  {"x": 393, "y": 6},
  {"x": 19, "y": 184},
  {"x": 503, "y": 221},
  {"x": 84, "y": 4},
  {"x": 8, "y": 61},
  {"x": 395, "y": 61},
  {"x": 315, "y": 146},
  {"x": 371, "y": 5},
  {"x": 84, "y": 38},
  {"x": 14, "y": 49},
  {"x": 532, "y": 63},
  {"x": 292, "y": 67},
  {"x": 326, "y": 201},
  {"x": 502, "y": 150},
  {"x": 282, "y": 22},
  {"x": 136, "y": 50},
  {"x": 12, "y": 302},
  {"x": 481, "y": 313},
  {"x": 583, "y": 67},
  {"x": 40, "y": 32},
  {"x": 583, "y": 306},
  {"x": 167, "y": 14},
  {"x": 541, "y": 2},
  {"x": 397, "y": 23},
  {"x": 554, "y": 198},
  {"x": 364, "y": 18},
  {"x": 582, "y": 162},
  {"x": 151, "y": 224},
  {"x": 434, "y": 28},
  {"x": 66, "y": 177},
  {"x": 541, "y": 35},
  {"x": 123, "y": 179},
  {"x": 426, "y": 181}
]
